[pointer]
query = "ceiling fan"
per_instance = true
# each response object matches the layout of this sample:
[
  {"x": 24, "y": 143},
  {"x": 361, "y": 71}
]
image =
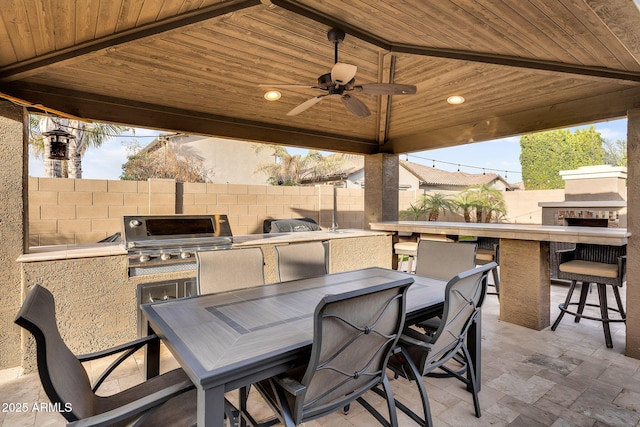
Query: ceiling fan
[{"x": 341, "y": 80}]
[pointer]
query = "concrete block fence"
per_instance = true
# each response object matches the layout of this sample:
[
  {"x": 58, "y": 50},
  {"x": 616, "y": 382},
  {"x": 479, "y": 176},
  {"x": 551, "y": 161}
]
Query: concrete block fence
[{"x": 72, "y": 211}]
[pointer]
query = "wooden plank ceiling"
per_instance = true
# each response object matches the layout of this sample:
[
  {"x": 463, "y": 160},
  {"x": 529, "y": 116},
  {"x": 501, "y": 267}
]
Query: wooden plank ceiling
[{"x": 196, "y": 66}]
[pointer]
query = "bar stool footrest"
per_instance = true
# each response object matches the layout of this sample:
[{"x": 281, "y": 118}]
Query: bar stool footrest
[{"x": 584, "y": 316}]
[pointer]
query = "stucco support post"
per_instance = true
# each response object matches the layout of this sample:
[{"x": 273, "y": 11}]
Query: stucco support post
[
  {"x": 380, "y": 188},
  {"x": 633, "y": 226},
  {"x": 13, "y": 225},
  {"x": 381, "y": 191}
]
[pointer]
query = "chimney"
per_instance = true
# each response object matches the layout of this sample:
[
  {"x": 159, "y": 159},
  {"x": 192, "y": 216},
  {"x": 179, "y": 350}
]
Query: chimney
[{"x": 590, "y": 183}]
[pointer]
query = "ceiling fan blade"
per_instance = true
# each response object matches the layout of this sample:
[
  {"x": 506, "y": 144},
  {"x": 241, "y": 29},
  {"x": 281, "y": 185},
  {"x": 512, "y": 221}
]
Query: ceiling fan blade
[
  {"x": 342, "y": 73},
  {"x": 386, "y": 89},
  {"x": 289, "y": 86},
  {"x": 356, "y": 106},
  {"x": 305, "y": 105}
]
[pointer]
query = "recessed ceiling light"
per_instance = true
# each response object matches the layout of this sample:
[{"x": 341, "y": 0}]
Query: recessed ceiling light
[
  {"x": 272, "y": 95},
  {"x": 455, "y": 99}
]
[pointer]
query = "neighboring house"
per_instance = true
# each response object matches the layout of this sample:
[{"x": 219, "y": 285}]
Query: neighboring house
[
  {"x": 413, "y": 176},
  {"x": 227, "y": 161},
  {"x": 417, "y": 176},
  {"x": 351, "y": 174}
]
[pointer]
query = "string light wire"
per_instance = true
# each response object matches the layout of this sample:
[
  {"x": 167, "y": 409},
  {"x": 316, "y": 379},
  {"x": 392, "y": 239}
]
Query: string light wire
[{"x": 459, "y": 165}]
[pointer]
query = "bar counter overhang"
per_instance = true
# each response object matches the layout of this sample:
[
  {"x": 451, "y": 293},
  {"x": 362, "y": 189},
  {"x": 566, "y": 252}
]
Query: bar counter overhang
[{"x": 524, "y": 259}]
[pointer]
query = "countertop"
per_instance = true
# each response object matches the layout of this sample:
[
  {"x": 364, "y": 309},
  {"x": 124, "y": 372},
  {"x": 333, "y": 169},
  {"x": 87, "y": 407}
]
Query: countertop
[
  {"x": 92, "y": 250},
  {"x": 546, "y": 233}
]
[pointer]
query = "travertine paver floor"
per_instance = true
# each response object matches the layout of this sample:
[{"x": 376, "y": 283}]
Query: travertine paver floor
[{"x": 529, "y": 378}]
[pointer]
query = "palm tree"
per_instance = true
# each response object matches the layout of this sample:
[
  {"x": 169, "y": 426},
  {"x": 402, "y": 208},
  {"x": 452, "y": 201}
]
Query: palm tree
[
  {"x": 486, "y": 201},
  {"x": 86, "y": 135},
  {"x": 433, "y": 204},
  {"x": 290, "y": 169},
  {"x": 466, "y": 202},
  {"x": 413, "y": 212}
]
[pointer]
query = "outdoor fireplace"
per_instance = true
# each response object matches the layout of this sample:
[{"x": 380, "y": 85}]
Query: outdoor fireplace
[{"x": 595, "y": 196}]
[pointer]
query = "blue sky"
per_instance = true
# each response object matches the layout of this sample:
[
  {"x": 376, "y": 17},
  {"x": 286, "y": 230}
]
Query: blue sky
[{"x": 494, "y": 156}]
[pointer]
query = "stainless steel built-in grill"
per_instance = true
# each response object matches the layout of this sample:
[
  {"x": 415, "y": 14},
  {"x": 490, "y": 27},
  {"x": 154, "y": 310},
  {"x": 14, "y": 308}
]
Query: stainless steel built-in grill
[
  {"x": 164, "y": 243},
  {"x": 159, "y": 244}
]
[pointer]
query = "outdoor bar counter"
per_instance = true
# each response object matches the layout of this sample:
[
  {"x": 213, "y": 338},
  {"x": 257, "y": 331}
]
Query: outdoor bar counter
[{"x": 524, "y": 259}]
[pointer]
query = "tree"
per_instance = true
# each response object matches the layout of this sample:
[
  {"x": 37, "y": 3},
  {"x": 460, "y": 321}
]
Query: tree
[
  {"x": 414, "y": 212},
  {"x": 87, "y": 135},
  {"x": 291, "y": 169},
  {"x": 466, "y": 202},
  {"x": 433, "y": 204},
  {"x": 545, "y": 154},
  {"x": 163, "y": 163},
  {"x": 485, "y": 201},
  {"x": 615, "y": 153}
]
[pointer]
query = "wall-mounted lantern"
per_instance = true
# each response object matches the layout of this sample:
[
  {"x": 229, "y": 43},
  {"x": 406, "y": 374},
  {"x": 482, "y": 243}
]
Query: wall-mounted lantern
[{"x": 59, "y": 143}]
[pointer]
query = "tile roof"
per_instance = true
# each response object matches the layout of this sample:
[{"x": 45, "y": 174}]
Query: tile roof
[{"x": 434, "y": 176}]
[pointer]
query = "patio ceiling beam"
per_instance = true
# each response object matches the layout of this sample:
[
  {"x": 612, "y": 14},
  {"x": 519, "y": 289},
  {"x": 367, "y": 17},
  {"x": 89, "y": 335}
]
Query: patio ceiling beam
[
  {"x": 620, "y": 76},
  {"x": 90, "y": 106},
  {"x": 585, "y": 110},
  {"x": 30, "y": 66}
]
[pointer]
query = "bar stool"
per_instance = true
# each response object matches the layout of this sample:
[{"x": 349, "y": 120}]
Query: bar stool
[
  {"x": 489, "y": 251},
  {"x": 409, "y": 249},
  {"x": 599, "y": 264}
]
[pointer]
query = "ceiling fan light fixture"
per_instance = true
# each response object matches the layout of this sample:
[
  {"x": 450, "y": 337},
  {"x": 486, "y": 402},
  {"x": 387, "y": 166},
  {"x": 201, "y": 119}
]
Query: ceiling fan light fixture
[
  {"x": 455, "y": 100},
  {"x": 272, "y": 95}
]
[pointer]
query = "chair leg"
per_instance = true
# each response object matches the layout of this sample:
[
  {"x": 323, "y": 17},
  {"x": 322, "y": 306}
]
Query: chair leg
[
  {"x": 565, "y": 305},
  {"x": 496, "y": 281},
  {"x": 616, "y": 292},
  {"x": 584, "y": 290},
  {"x": 472, "y": 379},
  {"x": 413, "y": 371},
  {"x": 391, "y": 405},
  {"x": 387, "y": 393},
  {"x": 604, "y": 314}
]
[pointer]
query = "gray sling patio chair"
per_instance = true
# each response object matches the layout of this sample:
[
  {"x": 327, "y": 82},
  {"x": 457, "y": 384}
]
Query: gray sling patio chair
[
  {"x": 355, "y": 334},
  {"x": 67, "y": 384},
  {"x": 443, "y": 260},
  {"x": 224, "y": 270},
  {"x": 600, "y": 264},
  {"x": 421, "y": 354},
  {"x": 301, "y": 260}
]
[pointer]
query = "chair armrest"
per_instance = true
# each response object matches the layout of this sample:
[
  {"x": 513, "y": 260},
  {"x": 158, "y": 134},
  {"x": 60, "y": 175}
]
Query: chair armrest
[
  {"x": 138, "y": 406},
  {"x": 622, "y": 267},
  {"x": 137, "y": 344},
  {"x": 415, "y": 338},
  {"x": 565, "y": 255},
  {"x": 293, "y": 387},
  {"x": 126, "y": 349}
]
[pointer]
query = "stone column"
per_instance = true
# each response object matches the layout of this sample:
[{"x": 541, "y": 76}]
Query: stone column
[
  {"x": 13, "y": 225},
  {"x": 380, "y": 188},
  {"x": 633, "y": 226},
  {"x": 525, "y": 283}
]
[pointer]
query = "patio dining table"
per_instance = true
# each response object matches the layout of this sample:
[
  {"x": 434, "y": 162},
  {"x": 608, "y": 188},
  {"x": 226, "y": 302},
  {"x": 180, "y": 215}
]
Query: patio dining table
[{"x": 230, "y": 340}]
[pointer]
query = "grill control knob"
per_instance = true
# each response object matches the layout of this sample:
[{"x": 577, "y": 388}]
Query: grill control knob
[
  {"x": 135, "y": 223},
  {"x": 165, "y": 256},
  {"x": 144, "y": 258},
  {"x": 185, "y": 255}
]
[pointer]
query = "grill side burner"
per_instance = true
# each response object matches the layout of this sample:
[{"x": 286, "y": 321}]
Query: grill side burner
[{"x": 166, "y": 243}]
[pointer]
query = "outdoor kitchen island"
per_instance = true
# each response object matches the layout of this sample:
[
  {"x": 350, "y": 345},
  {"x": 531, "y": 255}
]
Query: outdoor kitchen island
[
  {"x": 524, "y": 259},
  {"x": 96, "y": 298}
]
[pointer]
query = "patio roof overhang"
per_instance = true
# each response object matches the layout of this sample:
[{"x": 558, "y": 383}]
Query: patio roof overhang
[{"x": 196, "y": 67}]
